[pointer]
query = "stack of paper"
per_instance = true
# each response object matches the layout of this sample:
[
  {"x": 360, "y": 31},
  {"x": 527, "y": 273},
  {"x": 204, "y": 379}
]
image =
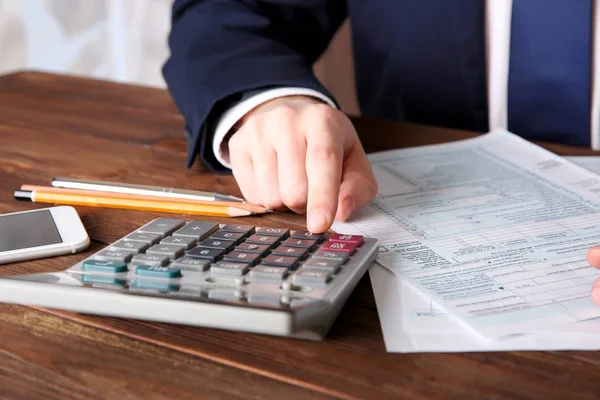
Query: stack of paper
[{"x": 486, "y": 239}]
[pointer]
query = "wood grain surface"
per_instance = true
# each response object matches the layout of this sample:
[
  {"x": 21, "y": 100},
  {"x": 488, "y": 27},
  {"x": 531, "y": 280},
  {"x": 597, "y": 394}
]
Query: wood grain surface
[{"x": 54, "y": 125}]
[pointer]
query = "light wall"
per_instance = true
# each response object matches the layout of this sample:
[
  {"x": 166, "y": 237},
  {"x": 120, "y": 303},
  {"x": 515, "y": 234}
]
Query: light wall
[{"x": 120, "y": 40}]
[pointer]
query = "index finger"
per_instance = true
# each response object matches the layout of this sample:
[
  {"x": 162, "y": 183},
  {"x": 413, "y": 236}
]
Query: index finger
[{"x": 324, "y": 157}]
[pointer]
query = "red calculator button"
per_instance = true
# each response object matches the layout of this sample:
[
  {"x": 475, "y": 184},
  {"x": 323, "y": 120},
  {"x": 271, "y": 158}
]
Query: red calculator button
[
  {"x": 356, "y": 240},
  {"x": 339, "y": 246}
]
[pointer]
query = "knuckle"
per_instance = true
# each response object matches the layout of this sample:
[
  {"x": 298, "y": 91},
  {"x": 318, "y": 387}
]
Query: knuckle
[
  {"x": 322, "y": 153},
  {"x": 295, "y": 198}
]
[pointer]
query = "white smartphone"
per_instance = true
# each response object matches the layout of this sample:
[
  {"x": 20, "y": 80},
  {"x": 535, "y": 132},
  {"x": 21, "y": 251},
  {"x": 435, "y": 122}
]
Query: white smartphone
[{"x": 40, "y": 233}]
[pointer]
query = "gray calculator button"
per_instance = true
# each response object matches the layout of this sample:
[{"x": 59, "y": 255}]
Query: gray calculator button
[
  {"x": 224, "y": 294},
  {"x": 279, "y": 232},
  {"x": 229, "y": 236},
  {"x": 280, "y": 261},
  {"x": 194, "y": 264},
  {"x": 307, "y": 235},
  {"x": 290, "y": 251},
  {"x": 264, "y": 299},
  {"x": 114, "y": 255},
  {"x": 217, "y": 244},
  {"x": 261, "y": 239},
  {"x": 209, "y": 254},
  {"x": 302, "y": 243},
  {"x": 311, "y": 277},
  {"x": 150, "y": 238},
  {"x": 197, "y": 229},
  {"x": 163, "y": 226},
  {"x": 181, "y": 241},
  {"x": 238, "y": 257},
  {"x": 229, "y": 268},
  {"x": 320, "y": 264},
  {"x": 246, "y": 230},
  {"x": 136, "y": 247},
  {"x": 168, "y": 250},
  {"x": 264, "y": 272},
  {"x": 252, "y": 248},
  {"x": 331, "y": 255},
  {"x": 150, "y": 259}
]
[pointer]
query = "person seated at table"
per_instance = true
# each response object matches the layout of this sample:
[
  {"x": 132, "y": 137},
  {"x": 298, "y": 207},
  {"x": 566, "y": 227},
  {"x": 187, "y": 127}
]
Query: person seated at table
[{"x": 240, "y": 73}]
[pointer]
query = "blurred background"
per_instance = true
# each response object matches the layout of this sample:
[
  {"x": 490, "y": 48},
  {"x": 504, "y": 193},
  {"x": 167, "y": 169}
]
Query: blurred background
[{"x": 123, "y": 41}]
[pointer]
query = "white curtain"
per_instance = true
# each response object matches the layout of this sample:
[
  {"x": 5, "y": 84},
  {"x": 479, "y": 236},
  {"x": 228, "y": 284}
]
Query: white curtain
[{"x": 120, "y": 40}]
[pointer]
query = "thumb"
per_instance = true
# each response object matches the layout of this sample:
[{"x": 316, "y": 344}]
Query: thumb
[{"x": 358, "y": 185}]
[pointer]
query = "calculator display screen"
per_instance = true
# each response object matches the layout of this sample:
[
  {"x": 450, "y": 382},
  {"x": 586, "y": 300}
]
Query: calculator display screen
[{"x": 32, "y": 229}]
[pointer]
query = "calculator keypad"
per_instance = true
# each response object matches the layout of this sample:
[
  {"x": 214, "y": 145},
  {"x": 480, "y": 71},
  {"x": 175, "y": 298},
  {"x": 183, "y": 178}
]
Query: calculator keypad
[{"x": 241, "y": 263}]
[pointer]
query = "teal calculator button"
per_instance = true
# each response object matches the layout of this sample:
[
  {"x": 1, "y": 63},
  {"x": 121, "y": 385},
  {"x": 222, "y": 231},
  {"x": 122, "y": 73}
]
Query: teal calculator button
[
  {"x": 158, "y": 272},
  {"x": 104, "y": 266},
  {"x": 165, "y": 286},
  {"x": 103, "y": 279}
]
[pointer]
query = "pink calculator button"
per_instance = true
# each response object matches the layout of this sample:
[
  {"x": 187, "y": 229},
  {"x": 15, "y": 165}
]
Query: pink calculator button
[
  {"x": 339, "y": 246},
  {"x": 356, "y": 240}
]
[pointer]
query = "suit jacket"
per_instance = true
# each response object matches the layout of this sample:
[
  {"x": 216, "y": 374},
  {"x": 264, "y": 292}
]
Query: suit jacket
[{"x": 420, "y": 61}]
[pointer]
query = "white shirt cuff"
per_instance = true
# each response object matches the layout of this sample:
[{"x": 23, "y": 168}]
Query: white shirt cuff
[{"x": 235, "y": 113}]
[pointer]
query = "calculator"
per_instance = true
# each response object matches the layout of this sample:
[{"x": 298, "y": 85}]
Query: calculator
[{"x": 273, "y": 281}]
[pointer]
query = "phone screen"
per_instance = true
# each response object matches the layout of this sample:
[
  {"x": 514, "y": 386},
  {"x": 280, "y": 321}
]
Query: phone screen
[{"x": 33, "y": 229}]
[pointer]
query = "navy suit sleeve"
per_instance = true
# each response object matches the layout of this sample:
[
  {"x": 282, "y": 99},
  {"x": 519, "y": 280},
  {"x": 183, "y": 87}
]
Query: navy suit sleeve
[{"x": 223, "y": 48}]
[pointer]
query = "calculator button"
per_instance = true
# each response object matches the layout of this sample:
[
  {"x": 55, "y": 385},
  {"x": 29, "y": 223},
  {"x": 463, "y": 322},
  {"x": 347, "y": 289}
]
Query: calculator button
[
  {"x": 260, "y": 239},
  {"x": 247, "y": 258},
  {"x": 311, "y": 277},
  {"x": 162, "y": 285},
  {"x": 264, "y": 272},
  {"x": 290, "y": 252},
  {"x": 158, "y": 272},
  {"x": 150, "y": 238},
  {"x": 136, "y": 247},
  {"x": 264, "y": 299},
  {"x": 279, "y": 232},
  {"x": 252, "y": 248},
  {"x": 114, "y": 255},
  {"x": 209, "y": 254},
  {"x": 104, "y": 266},
  {"x": 280, "y": 261},
  {"x": 245, "y": 230},
  {"x": 356, "y": 240},
  {"x": 217, "y": 244},
  {"x": 331, "y": 266},
  {"x": 229, "y": 268},
  {"x": 168, "y": 250},
  {"x": 156, "y": 259},
  {"x": 339, "y": 247},
  {"x": 195, "y": 264},
  {"x": 104, "y": 281},
  {"x": 162, "y": 226},
  {"x": 307, "y": 235},
  {"x": 198, "y": 230},
  {"x": 331, "y": 255},
  {"x": 303, "y": 243},
  {"x": 231, "y": 236},
  {"x": 181, "y": 241},
  {"x": 226, "y": 295}
]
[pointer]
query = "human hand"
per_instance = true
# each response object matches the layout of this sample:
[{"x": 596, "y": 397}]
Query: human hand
[
  {"x": 300, "y": 153},
  {"x": 593, "y": 257}
]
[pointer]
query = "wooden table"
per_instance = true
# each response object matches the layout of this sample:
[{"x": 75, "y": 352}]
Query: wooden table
[{"x": 55, "y": 126}]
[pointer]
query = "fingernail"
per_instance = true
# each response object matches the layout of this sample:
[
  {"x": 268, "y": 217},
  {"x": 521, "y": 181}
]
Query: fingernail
[{"x": 316, "y": 221}]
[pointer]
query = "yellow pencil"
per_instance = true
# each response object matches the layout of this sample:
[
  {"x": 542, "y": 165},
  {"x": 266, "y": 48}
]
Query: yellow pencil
[
  {"x": 39, "y": 196},
  {"x": 254, "y": 208}
]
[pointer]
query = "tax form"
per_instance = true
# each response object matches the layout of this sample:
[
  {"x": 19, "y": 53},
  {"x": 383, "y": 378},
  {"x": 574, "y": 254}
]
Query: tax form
[{"x": 493, "y": 229}]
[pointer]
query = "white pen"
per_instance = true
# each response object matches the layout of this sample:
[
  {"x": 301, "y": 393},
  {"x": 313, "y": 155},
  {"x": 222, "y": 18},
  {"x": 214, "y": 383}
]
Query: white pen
[{"x": 128, "y": 188}]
